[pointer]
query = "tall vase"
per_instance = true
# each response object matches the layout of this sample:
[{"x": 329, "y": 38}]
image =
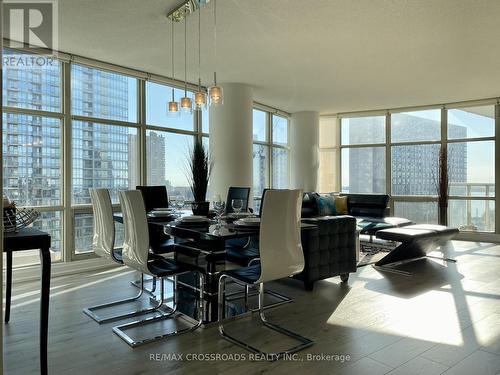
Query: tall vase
[
  {"x": 443, "y": 215},
  {"x": 200, "y": 208}
]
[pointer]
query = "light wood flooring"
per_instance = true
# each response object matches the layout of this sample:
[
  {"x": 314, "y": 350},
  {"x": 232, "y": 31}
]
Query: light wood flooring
[{"x": 445, "y": 319}]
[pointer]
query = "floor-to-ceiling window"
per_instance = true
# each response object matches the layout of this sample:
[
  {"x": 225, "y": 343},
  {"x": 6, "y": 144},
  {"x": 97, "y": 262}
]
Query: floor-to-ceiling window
[
  {"x": 415, "y": 146},
  {"x": 104, "y": 143},
  {"x": 397, "y": 152},
  {"x": 363, "y": 154},
  {"x": 271, "y": 164},
  {"x": 69, "y": 126},
  {"x": 471, "y": 161},
  {"x": 32, "y": 144},
  {"x": 100, "y": 134},
  {"x": 168, "y": 141}
]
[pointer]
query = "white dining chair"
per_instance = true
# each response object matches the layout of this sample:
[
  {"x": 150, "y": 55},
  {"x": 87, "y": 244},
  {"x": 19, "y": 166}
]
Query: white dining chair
[
  {"x": 281, "y": 256},
  {"x": 103, "y": 242},
  {"x": 136, "y": 255}
]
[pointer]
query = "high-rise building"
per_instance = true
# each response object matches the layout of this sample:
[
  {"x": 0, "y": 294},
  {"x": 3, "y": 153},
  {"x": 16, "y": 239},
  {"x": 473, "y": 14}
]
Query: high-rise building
[
  {"x": 32, "y": 144},
  {"x": 155, "y": 144},
  {"x": 414, "y": 167},
  {"x": 102, "y": 155}
]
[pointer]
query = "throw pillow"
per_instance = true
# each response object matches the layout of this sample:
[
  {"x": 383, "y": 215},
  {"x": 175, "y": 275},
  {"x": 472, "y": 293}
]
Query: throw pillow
[
  {"x": 341, "y": 205},
  {"x": 326, "y": 206}
]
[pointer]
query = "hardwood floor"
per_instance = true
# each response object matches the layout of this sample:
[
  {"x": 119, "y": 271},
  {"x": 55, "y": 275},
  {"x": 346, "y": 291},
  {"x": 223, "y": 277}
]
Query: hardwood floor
[{"x": 444, "y": 319}]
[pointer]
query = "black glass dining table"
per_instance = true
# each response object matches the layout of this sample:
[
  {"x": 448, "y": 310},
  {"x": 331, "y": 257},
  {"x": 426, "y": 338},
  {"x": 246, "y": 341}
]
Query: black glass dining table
[{"x": 204, "y": 245}]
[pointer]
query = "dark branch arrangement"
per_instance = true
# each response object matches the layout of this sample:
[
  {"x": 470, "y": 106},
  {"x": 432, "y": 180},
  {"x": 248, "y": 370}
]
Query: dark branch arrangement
[
  {"x": 199, "y": 168},
  {"x": 443, "y": 186}
]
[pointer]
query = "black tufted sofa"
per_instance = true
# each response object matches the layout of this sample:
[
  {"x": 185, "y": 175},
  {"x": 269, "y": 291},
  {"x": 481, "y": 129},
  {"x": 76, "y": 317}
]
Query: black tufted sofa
[{"x": 329, "y": 249}]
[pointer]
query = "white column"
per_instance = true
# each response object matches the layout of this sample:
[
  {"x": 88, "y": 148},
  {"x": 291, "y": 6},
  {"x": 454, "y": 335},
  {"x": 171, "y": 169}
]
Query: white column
[
  {"x": 231, "y": 136},
  {"x": 304, "y": 148}
]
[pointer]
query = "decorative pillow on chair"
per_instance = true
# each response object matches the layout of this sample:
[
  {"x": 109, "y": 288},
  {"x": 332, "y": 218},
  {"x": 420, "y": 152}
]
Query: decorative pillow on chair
[
  {"x": 341, "y": 205},
  {"x": 326, "y": 206}
]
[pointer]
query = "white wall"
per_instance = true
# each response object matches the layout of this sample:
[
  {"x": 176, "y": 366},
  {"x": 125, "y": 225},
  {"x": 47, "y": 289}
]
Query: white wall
[
  {"x": 304, "y": 145},
  {"x": 231, "y": 137}
]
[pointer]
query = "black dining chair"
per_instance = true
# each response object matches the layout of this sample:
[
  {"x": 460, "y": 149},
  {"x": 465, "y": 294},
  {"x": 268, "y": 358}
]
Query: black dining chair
[
  {"x": 154, "y": 196},
  {"x": 242, "y": 193}
]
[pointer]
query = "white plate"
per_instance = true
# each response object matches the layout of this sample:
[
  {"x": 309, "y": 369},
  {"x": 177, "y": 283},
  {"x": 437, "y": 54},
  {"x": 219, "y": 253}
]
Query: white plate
[
  {"x": 194, "y": 219},
  {"x": 248, "y": 222},
  {"x": 163, "y": 209},
  {"x": 160, "y": 213}
]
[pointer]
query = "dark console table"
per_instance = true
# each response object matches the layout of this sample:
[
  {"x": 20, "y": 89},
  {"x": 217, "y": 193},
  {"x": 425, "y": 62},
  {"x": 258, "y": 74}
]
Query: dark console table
[{"x": 29, "y": 239}]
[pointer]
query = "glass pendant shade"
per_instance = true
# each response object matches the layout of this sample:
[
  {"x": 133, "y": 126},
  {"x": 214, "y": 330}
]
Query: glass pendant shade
[
  {"x": 215, "y": 95},
  {"x": 200, "y": 100},
  {"x": 173, "y": 108},
  {"x": 186, "y": 105}
]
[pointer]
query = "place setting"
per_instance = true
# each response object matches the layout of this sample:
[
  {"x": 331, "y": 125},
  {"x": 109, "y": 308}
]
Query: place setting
[{"x": 193, "y": 221}]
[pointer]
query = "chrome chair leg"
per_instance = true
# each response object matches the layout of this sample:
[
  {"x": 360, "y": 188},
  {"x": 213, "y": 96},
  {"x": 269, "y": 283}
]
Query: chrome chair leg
[
  {"x": 90, "y": 311},
  {"x": 303, "y": 341},
  {"x": 137, "y": 284},
  {"x": 282, "y": 299},
  {"x": 120, "y": 330}
]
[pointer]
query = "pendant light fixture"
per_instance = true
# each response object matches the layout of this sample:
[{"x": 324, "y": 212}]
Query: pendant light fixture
[
  {"x": 215, "y": 95},
  {"x": 186, "y": 102},
  {"x": 200, "y": 97},
  {"x": 173, "y": 106}
]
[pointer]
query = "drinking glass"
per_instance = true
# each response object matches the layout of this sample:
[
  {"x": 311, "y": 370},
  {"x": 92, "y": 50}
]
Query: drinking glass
[
  {"x": 181, "y": 201},
  {"x": 219, "y": 206},
  {"x": 173, "y": 202},
  {"x": 237, "y": 205}
]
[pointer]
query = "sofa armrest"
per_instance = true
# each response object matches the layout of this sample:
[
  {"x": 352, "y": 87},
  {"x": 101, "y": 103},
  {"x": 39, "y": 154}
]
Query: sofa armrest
[{"x": 333, "y": 252}]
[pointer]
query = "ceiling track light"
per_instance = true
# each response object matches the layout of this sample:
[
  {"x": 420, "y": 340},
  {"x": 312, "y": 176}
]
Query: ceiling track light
[{"x": 184, "y": 9}]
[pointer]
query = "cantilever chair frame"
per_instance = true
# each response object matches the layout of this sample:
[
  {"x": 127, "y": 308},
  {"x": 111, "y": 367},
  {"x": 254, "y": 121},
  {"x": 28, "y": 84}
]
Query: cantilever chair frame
[
  {"x": 103, "y": 245},
  {"x": 136, "y": 255},
  {"x": 120, "y": 330},
  {"x": 276, "y": 218},
  {"x": 304, "y": 342},
  {"x": 282, "y": 299}
]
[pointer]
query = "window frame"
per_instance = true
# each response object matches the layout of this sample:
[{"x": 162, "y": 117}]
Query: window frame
[
  {"x": 142, "y": 129},
  {"x": 444, "y": 141},
  {"x": 67, "y": 209},
  {"x": 270, "y": 145},
  {"x": 59, "y": 115}
]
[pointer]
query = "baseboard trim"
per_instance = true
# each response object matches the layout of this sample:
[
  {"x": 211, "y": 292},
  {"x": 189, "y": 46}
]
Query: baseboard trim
[{"x": 478, "y": 237}]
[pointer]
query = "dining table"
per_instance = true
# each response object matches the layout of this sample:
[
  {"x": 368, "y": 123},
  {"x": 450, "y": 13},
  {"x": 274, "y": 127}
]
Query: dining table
[{"x": 204, "y": 245}]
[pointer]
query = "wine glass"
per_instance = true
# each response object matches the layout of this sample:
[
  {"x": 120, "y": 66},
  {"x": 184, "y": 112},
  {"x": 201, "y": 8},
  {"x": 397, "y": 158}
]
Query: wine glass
[
  {"x": 219, "y": 206},
  {"x": 237, "y": 205},
  {"x": 181, "y": 201},
  {"x": 173, "y": 202}
]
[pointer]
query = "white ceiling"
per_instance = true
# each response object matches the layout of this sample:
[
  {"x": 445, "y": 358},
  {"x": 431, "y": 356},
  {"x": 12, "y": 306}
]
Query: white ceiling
[{"x": 323, "y": 55}]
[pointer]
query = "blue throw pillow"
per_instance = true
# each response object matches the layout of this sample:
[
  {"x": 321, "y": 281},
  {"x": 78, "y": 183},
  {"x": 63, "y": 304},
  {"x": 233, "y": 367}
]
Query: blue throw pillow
[{"x": 326, "y": 206}]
